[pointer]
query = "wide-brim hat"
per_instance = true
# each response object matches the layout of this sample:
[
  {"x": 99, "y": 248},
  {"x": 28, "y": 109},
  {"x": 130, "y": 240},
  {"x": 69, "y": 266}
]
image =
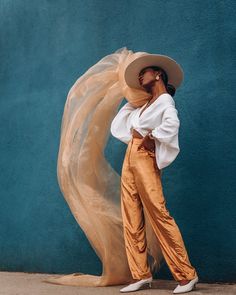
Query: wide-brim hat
[{"x": 170, "y": 66}]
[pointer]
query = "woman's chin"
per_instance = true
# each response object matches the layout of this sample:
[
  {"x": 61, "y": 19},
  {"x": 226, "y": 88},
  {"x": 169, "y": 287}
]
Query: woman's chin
[{"x": 148, "y": 87}]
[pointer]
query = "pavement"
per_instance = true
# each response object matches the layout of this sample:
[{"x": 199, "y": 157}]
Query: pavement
[{"x": 21, "y": 283}]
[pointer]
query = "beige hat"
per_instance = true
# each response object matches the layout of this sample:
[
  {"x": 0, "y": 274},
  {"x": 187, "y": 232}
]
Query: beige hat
[{"x": 171, "y": 67}]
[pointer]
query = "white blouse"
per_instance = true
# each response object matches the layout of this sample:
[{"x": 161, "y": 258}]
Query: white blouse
[{"x": 161, "y": 117}]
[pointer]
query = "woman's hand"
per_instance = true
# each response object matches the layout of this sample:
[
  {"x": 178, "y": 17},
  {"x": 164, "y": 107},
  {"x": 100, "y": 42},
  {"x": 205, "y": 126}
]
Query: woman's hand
[{"x": 147, "y": 143}]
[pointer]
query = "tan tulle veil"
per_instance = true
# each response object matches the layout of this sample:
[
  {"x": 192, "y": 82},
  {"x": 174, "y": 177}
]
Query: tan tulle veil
[{"x": 90, "y": 186}]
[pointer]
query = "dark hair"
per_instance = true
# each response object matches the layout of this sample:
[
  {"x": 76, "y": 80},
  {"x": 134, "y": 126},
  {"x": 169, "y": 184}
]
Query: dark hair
[{"x": 169, "y": 87}]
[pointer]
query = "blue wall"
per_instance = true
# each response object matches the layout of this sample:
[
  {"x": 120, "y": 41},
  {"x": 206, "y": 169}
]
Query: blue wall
[{"x": 45, "y": 47}]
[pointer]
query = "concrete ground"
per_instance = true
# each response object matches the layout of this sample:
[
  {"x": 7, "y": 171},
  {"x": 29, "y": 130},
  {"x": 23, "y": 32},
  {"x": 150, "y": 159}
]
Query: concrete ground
[{"x": 20, "y": 283}]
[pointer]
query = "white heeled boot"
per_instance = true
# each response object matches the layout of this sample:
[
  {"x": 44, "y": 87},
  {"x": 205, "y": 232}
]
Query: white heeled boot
[
  {"x": 137, "y": 285},
  {"x": 186, "y": 288}
]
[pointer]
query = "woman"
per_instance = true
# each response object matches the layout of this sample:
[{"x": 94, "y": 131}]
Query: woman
[{"x": 151, "y": 132}]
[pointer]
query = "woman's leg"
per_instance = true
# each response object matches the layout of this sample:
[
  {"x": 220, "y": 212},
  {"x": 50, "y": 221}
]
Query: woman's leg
[
  {"x": 133, "y": 223},
  {"x": 148, "y": 179}
]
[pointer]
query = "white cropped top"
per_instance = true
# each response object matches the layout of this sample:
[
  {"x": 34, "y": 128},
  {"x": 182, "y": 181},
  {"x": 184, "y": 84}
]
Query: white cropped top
[{"x": 161, "y": 117}]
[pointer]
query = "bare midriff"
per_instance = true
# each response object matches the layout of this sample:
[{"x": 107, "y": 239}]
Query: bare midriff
[{"x": 135, "y": 133}]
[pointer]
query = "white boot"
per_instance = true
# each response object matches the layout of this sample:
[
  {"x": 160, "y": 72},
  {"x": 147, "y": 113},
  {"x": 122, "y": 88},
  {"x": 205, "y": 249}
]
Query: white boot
[
  {"x": 186, "y": 288},
  {"x": 137, "y": 285}
]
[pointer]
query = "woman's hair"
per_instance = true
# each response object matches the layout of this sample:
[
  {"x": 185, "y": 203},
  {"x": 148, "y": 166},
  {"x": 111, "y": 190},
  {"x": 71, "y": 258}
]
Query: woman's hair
[{"x": 169, "y": 87}]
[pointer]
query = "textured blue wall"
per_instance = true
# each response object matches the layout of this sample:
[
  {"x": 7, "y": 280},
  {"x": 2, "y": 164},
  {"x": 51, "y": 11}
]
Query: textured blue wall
[{"x": 45, "y": 47}]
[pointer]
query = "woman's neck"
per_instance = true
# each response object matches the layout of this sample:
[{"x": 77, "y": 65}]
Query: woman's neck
[{"x": 157, "y": 89}]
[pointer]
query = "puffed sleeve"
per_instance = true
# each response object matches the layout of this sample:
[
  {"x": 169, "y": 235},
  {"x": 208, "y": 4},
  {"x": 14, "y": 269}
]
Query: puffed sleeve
[
  {"x": 120, "y": 126},
  {"x": 166, "y": 137}
]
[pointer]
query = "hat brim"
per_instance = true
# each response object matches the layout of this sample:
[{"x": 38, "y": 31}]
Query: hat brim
[{"x": 170, "y": 66}]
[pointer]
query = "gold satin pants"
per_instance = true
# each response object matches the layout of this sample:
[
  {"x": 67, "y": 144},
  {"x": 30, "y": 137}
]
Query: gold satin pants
[{"x": 141, "y": 187}]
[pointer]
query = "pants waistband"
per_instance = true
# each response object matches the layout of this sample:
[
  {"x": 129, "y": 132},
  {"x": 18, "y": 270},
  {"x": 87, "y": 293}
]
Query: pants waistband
[{"x": 137, "y": 139}]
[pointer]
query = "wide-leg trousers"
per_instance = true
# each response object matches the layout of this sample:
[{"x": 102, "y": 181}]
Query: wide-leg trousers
[{"x": 141, "y": 188}]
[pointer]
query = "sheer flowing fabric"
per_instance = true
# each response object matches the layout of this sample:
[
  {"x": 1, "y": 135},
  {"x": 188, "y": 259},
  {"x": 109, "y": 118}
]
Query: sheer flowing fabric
[{"x": 89, "y": 184}]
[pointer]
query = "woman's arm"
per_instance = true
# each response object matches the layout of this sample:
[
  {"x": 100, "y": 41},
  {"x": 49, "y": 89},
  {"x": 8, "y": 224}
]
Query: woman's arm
[
  {"x": 120, "y": 126},
  {"x": 169, "y": 127},
  {"x": 166, "y": 137}
]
